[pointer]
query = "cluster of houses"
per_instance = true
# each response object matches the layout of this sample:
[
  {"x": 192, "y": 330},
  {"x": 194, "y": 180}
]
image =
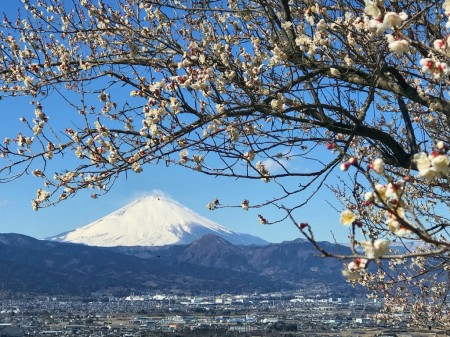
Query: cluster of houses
[{"x": 147, "y": 315}]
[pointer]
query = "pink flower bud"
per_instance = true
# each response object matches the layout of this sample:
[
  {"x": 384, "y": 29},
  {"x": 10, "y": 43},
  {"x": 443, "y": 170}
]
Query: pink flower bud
[
  {"x": 344, "y": 166},
  {"x": 303, "y": 225},
  {"x": 353, "y": 161},
  {"x": 358, "y": 223},
  {"x": 330, "y": 146}
]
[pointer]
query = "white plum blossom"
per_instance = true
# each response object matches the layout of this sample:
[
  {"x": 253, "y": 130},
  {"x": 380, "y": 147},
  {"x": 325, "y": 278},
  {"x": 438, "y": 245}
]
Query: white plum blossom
[
  {"x": 440, "y": 162},
  {"x": 220, "y": 108},
  {"x": 198, "y": 159},
  {"x": 392, "y": 19},
  {"x": 38, "y": 173},
  {"x": 28, "y": 81},
  {"x": 435, "y": 68},
  {"x": 136, "y": 167},
  {"x": 441, "y": 145},
  {"x": 262, "y": 169},
  {"x": 378, "y": 166},
  {"x": 402, "y": 232},
  {"x": 433, "y": 166},
  {"x": 372, "y": 9},
  {"x": 112, "y": 158},
  {"x": 393, "y": 191},
  {"x": 42, "y": 195},
  {"x": 278, "y": 55},
  {"x": 249, "y": 155},
  {"x": 375, "y": 249},
  {"x": 357, "y": 264},
  {"x": 213, "y": 204},
  {"x": 286, "y": 24},
  {"x": 347, "y": 217},
  {"x": 37, "y": 129},
  {"x": 440, "y": 69},
  {"x": 277, "y": 104},
  {"x": 233, "y": 133},
  {"x": 184, "y": 156},
  {"x": 397, "y": 45},
  {"x": 377, "y": 26},
  {"x": 446, "y": 7},
  {"x": 349, "y": 61},
  {"x": 103, "y": 96},
  {"x": 351, "y": 40},
  {"x": 427, "y": 65},
  {"x": 262, "y": 220},
  {"x": 351, "y": 275},
  {"x": 321, "y": 25},
  {"x": 335, "y": 72},
  {"x": 397, "y": 222},
  {"x": 397, "y": 228},
  {"x": 424, "y": 166},
  {"x": 245, "y": 205},
  {"x": 369, "y": 196},
  {"x": 439, "y": 44}
]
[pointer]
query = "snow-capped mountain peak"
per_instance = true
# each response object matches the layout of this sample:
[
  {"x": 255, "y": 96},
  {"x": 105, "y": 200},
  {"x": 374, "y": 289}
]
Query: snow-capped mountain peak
[{"x": 152, "y": 220}]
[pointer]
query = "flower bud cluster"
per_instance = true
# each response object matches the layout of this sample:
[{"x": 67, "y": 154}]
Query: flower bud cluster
[
  {"x": 213, "y": 205},
  {"x": 245, "y": 204},
  {"x": 350, "y": 162},
  {"x": 352, "y": 272},
  {"x": 397, "y": 222},
  {"x": 435, "y": 68},
  {"x": 261, "y": 168},
  {"x": 434, "y": 165}
]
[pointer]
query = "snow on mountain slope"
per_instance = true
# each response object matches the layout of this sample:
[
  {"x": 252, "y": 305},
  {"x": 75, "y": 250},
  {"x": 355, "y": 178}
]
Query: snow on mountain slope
[{"x": 152, "y": 221}]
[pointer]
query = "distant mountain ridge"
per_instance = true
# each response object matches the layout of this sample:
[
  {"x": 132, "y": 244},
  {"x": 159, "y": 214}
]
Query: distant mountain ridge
[
  {"x": 209, "y": 264},
  {"x": 152, "y": 221}
]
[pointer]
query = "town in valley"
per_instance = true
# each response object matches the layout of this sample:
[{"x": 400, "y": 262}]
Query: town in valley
[{"x": 270, "y": 314}]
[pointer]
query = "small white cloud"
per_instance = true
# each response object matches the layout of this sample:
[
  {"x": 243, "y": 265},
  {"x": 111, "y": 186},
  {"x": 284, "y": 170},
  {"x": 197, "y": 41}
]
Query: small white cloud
[
  {"x": 141, "y": 194},
  {"x": 3, "y": 202},
  {"x": 275, "y": 166}
]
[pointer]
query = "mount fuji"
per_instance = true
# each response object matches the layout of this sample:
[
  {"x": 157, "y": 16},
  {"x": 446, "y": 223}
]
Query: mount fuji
[{"x": 152, "y": 221}]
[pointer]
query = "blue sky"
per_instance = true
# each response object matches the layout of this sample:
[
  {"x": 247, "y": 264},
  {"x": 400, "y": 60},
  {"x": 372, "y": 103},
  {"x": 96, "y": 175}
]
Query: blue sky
[{"x": 192, "y": 189}]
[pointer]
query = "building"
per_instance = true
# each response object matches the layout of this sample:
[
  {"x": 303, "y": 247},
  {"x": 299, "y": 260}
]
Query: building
[{"x": 7, "y": 330}]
